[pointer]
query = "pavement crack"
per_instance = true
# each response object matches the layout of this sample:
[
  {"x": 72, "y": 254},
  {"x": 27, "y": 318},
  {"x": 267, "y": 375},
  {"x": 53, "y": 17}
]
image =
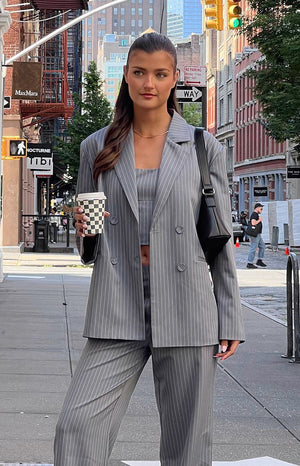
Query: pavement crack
[
  {"x": 285, "y": 426},
  {"x": 65, "y": 305}
]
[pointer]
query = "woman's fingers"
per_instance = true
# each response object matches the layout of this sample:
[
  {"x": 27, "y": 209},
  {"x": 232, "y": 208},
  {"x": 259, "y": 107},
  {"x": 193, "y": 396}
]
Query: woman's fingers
[
  {"x": 228, "y": 348},
  {"x": 81, "y": 220}
]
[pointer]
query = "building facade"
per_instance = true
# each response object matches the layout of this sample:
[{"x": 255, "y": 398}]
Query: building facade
[
  {"x": 38, "y": 121},
  {"x": 184, "y": 18},
  {"x": 130, "y": 18}
]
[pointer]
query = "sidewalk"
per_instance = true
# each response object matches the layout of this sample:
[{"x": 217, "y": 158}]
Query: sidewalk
[{"x": 42, "y": 306}]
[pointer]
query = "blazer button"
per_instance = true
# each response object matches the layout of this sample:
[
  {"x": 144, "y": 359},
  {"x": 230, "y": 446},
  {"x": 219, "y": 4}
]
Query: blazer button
[
  {"x": 114, "y": 260},
  {"x": 181, "y": 267},
  {"x": 179, "y": 229},
  {"x": 114, "y": 220}
]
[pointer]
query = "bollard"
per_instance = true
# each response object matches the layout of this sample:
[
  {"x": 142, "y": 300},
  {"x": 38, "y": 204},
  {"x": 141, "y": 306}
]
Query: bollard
[
  {"x": 293, "y": 318},
  {"x": 275, "y": 237}
]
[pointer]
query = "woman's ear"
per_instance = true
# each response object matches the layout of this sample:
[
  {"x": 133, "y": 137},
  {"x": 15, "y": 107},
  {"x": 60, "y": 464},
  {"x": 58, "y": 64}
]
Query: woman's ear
[{"x": 176, "y": 78}]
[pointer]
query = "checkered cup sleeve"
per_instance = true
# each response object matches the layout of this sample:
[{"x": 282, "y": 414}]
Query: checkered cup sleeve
[{"x": 94, "y": 209}]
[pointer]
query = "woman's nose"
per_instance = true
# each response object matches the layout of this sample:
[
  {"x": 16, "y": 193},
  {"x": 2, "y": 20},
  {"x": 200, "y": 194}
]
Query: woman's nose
[{"x": 148, "y": 83}]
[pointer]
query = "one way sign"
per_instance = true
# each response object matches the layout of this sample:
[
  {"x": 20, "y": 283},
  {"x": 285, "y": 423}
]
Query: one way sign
[{"x": 188, "y": 93}]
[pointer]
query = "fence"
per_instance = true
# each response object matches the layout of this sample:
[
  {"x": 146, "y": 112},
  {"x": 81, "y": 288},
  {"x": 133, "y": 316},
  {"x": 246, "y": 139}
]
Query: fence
[{"x": 57, "y": 231}]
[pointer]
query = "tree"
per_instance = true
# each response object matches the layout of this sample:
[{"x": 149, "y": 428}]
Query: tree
[
  {"x": 192, "y": 114},
  {"x": 274, "y": 30},
  {"x": 92, "y": 112}
]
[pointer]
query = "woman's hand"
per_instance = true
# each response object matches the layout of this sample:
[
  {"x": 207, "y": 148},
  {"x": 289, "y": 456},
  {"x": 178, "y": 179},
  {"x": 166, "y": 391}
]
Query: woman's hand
[
  {"x": 228, "y": 348},
  {"x": 80, "y": 221}
]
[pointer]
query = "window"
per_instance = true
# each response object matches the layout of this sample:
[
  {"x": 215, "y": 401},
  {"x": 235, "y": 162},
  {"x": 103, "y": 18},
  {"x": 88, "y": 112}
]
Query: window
[
  {"x": 133, "y": 11},
  {"x": 89, "y": 57},
  {"x": 110, "y": 83},
  {"x": 115, "y": 11},
  {"x": 122, "y": 11},
  {"x": 89, "y": 33},
  {"x": 150, "y": 23},
  {"x": 221, "y": 112},
  {"x": 140, "y": 11},
  {"x": 229, "y": 104},
  {"x": 221, "y": 72},
  {"x": 124, "y": 42},
  {"x": 103, "y": 21},
  {"x": 229, "y": 65},
  {"x": 133, "y": 22},
  {"x": 140, "y": 22},
  {"x": 150, "y": 11},
  {"x": 89, "y": 21},
  {"x": 122, "y": 22},
  {"x": 89, "y": 44},
  {"x": 110, "y": 89}
]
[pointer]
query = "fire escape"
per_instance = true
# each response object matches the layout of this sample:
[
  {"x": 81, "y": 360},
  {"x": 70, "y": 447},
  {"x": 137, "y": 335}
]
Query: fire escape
[{"x": 61, "y": 59}]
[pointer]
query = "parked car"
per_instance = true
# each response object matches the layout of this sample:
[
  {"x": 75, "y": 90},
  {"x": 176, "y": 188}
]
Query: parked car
[{"x": 237, "y": 228}]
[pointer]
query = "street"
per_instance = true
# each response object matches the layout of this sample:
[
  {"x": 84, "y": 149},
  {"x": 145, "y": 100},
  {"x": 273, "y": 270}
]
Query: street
[{"x": 43, "y": 298}]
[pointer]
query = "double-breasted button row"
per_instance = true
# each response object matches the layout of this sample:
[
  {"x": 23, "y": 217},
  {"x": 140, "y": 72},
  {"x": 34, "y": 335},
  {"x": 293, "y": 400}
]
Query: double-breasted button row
[
  {"x": 179, "y": 229},
  {"x": 181, "y": 267},
  {"x": 113, "y": 220}
]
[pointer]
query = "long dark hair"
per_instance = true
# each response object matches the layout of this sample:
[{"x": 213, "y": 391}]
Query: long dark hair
[{"x": 123, "y": 113}]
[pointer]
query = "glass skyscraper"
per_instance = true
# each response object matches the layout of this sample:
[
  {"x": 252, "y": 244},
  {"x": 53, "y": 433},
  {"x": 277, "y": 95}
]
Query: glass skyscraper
[{"x": 184, "y": 18}]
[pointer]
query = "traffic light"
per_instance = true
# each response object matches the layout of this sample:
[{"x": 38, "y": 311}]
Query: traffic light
[
  {"x": 214, "y": 11},
  {"x": 234, "y": 14}
]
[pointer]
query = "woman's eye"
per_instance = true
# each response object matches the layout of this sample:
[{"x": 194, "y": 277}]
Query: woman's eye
[
  {"x": 137, "y": 73},
  {"x": 161, "y": 75}
]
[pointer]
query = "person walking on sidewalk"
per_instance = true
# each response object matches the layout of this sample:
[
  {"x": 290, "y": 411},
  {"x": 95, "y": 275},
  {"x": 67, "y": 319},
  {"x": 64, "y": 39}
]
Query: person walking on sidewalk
[
  {"x": 151, "y": 292},
  {"x": 256, "y": 241}
]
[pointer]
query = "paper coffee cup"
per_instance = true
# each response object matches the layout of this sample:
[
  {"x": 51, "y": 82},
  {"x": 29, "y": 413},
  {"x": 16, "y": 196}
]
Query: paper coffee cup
[{"x": 93, "y": 205}]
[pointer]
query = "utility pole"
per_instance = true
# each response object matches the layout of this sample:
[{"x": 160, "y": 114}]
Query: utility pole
[{"x": 5, "y": 22}]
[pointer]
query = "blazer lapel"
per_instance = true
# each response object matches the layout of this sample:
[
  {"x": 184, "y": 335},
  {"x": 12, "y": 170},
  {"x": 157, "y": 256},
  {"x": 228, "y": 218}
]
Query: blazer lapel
[
  {"x": 125, "y": 170},
  {"x": 173, "y": 158}
]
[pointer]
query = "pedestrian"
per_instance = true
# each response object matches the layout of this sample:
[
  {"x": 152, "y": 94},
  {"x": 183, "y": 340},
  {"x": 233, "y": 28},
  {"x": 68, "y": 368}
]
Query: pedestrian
[
  {"x": 244, "y": 222},
  {"x": 53, "y": 225},
  {"x": 151, "y": 292},
  {"x": 256, "y": 241}
]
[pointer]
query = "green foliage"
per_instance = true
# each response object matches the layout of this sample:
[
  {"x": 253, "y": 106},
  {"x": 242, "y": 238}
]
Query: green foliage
[
  {"x": 274, "y": 30},
  {"x": 92, "y": 112},
  {"x": 192, "y": 114}
]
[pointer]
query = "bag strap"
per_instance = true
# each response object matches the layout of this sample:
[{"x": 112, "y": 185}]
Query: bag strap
[{"x": 207, "y": 190}]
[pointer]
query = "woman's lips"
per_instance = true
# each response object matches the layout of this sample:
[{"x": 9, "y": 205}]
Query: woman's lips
[{"x": 148, "y": 96}]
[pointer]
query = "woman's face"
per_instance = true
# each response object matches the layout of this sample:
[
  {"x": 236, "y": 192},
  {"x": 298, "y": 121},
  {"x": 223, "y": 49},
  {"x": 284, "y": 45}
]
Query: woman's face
[{"x": 150, "y": 78}]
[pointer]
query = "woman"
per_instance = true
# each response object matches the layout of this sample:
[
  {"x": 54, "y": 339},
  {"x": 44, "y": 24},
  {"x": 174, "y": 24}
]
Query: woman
[{"x": 151, "y": 292}]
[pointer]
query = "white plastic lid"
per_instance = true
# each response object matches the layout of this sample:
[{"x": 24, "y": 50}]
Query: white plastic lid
[{"x": 89, "y": 196}]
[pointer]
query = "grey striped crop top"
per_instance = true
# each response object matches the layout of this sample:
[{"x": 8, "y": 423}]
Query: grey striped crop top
[{"x": 146, "y": 182}]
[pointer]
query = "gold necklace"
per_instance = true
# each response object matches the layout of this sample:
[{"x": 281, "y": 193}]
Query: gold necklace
[{"x": 149, "y": 137}]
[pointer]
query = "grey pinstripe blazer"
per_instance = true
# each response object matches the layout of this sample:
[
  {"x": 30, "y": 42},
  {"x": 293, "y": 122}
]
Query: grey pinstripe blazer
[{"x": 188, "y": 307}]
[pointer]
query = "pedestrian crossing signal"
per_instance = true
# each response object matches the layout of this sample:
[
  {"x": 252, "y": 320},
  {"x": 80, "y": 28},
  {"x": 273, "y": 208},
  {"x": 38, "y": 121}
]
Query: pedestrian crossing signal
[
  {"x": 234, "y": 14},
  {"x": 14, "y": 148}
]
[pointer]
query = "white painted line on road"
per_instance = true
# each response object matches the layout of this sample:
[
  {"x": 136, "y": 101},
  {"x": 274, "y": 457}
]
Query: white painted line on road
[
  {"x": 29, "y": 277},
  {"x": 265, "y": 461},
  {"x": 25, "y": 464}
]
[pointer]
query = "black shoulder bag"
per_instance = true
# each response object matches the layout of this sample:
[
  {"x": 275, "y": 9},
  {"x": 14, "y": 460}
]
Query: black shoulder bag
[{"x": 212, "y": 232}]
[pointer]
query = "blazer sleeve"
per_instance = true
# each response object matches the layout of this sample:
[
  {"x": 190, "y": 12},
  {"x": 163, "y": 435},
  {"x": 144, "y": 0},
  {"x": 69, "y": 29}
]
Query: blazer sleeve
[
  {"x": 223, "y": 270},
  {"x": 89, "y": 245}
]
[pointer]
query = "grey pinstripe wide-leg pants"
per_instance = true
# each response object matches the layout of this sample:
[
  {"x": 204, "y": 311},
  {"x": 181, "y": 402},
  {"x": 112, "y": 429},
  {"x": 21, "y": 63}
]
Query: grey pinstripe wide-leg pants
[{"x": 103, "y": 383}]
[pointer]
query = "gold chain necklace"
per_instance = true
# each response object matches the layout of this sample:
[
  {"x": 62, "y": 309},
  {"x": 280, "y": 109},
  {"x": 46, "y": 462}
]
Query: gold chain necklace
[{"x": 149, "y": 137}]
